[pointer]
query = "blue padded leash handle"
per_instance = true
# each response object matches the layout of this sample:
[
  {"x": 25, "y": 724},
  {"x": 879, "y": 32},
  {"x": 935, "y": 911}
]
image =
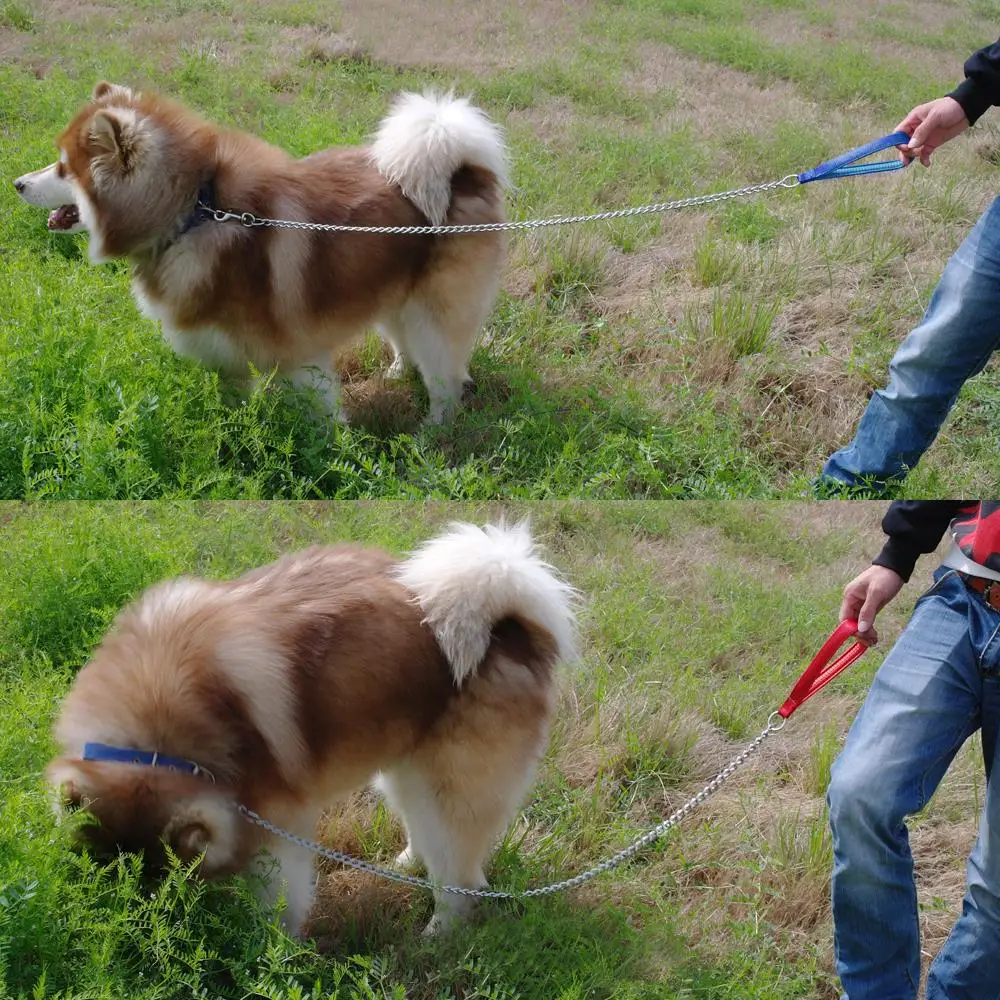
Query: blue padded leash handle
[{"x": 845, "y": 166}]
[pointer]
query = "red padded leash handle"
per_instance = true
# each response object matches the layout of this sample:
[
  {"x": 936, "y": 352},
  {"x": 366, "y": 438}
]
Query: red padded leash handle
[{"x": 821, "y": 671}]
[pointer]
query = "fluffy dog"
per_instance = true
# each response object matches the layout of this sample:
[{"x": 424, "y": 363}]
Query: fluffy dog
[
  {"x": 295, "y": 684},
  {"x": 142, "y": 175}
]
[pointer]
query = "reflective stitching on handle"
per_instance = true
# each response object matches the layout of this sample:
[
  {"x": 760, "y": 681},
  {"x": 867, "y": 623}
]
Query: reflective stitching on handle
[{"x": 839, "y": 165}]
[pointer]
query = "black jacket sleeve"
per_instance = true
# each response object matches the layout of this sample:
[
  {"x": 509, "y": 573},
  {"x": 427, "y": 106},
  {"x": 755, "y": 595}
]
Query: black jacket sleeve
[
  {"x": 981, "y": 88},
  {"x": 914, "y": 527}
]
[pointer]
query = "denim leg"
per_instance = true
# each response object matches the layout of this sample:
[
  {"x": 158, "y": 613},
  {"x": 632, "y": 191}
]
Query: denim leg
[
  {"x": 922, "y": 706},
  {"x": 953, "y": 342},
  {"x": 967, "y": 966}
]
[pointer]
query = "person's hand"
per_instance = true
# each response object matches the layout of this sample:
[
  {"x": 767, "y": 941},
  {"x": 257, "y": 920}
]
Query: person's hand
[
  {"x": 929, "y": 126},
  {"x": 866, "y": 595}
]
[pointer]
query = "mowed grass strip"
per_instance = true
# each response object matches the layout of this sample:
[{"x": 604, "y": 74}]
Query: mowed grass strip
[
  {"x": 697, "y": 619},
  {"x": 718, "y": 352}
]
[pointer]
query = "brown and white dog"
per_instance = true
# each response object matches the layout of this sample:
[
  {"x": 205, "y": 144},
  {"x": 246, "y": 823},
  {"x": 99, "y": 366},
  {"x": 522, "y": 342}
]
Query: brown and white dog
[
  {"x": 141, "y": 173},
  {"x": 289, "y": 687}
]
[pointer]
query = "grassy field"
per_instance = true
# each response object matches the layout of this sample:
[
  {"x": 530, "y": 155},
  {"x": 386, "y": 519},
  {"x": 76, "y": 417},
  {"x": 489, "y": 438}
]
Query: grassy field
[
  {"x": 715, "y": 353},
  {"x": 697, "y": 618}
]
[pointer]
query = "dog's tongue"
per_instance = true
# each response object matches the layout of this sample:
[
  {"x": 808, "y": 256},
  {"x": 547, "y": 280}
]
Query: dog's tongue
[{"x": 64, "y": 217}]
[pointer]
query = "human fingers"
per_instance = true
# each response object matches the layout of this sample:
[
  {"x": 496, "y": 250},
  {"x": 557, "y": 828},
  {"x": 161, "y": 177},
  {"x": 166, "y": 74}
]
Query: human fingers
[{"x": 854, "y": 598}]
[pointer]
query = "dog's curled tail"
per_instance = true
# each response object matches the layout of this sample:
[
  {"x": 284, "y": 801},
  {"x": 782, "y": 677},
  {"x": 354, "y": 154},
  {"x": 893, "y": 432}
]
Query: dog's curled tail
[
  {"x": 426, "y": 138},
  {"x": 469, "y": 579}
]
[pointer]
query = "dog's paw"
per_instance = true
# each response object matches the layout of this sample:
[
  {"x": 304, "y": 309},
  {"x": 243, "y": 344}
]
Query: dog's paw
[
  {"x": 407, "y": 859},
  {"x": 397, "y": 369},
  {"x": 438, "y": 924}
]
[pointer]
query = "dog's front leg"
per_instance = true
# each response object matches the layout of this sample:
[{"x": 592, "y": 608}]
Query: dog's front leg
[
  {"x": 323, "y": 382},
  {"x": 288, "y": 872}
]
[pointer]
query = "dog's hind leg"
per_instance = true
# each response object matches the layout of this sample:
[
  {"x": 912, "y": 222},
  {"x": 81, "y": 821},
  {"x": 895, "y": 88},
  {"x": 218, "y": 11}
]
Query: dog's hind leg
[
  {"x": 418, "y": 333},
  {"x": 449, "y": 837},
  {"x": 386, "y": 787},
  {"x": 461, "y": 788},
  {"x": 455, "y": 799},
  {"x": 443, "y": 318},
  {"x": 397, "y": 369}
]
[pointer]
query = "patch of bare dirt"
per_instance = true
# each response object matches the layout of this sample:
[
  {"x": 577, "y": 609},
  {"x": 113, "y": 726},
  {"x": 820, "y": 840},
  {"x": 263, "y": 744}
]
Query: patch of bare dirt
[
  {"x": 859, "y": 517},
  {"x": 622, "y": 282},
  {"x": 807, "y": 404},
  {"x": 308, "y": 43},
  {"x": 483, "y": 37},
  {"x": 74, "y": 12},
  {"x": 552, "y": 121},
  {"x": 819, "y": 323},
  {"x": 680, "y": 562},
  {"x": 628, "y": 278},
  {"x": 17, "y": 45},
  {"x": 851, "y": 26},
  {"x": 924, "y": 15},
  {"x": 14, "y": 44},
  {"x": 985, "y": 143},
  {"x": 201, "y": 33},
  {"x": 722, "y": 99},
  {"x": 352, "y": 906},
  {"x": 169, "y": 36},
  {"x": 197, "y": 34},
  {"x": 373, "y": 400}
]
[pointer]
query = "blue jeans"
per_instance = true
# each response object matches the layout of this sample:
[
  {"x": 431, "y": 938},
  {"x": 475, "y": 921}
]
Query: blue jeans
[
  {"x": 953, "y": 342},
  {"x": 938, "y": 685}
]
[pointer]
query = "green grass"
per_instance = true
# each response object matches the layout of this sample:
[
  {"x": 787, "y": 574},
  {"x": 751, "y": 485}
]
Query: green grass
[
  {"x": 697, "y": 619},
  {"x": 739, "y": 326},
  {"x": 578, "y": 391},
  {"x": 16, "y": 15}
]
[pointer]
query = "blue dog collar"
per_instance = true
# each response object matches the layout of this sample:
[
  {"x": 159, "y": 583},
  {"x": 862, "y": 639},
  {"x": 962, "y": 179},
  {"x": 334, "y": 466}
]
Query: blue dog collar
[
  {"x": 202, "y": 209},
  {"x": 128, "y": 755}
]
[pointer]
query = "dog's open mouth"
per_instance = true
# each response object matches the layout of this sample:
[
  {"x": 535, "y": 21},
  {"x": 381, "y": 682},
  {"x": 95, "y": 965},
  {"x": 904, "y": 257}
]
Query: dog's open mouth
[{"x": 64, "y": 217}]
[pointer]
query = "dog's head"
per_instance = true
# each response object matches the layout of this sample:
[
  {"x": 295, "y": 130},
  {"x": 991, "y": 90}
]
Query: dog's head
[
  {"x": 128, "y": 166},
  {"x": 142, "y": 809}
]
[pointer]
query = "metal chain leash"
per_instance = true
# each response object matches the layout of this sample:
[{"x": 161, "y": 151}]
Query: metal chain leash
[
  {"x": 840, "y": 166},
  {"x": 613, "y": 862},
  {"x": 250, "y": 220}
]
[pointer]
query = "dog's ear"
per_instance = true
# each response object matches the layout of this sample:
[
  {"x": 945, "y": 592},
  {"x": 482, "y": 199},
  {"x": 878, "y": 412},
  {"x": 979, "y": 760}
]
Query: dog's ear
[
  {"x": 207, "y": 826},
  {"x": 190, "y": 840},
  {"x": 117, "y": 133},
  {"x": 112, "y": 90}
]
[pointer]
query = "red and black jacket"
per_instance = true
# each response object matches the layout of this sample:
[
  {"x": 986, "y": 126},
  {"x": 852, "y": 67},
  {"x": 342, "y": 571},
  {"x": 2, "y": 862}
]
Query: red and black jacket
[
  {"x": 981, "y": 88},
  {"x": 916, "y": 526}
]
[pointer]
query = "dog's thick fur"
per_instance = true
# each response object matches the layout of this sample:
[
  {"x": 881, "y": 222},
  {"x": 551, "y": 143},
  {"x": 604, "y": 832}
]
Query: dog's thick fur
[
  {"x": 298, "y": 682},
  {"x": 130, "y": 171}
]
